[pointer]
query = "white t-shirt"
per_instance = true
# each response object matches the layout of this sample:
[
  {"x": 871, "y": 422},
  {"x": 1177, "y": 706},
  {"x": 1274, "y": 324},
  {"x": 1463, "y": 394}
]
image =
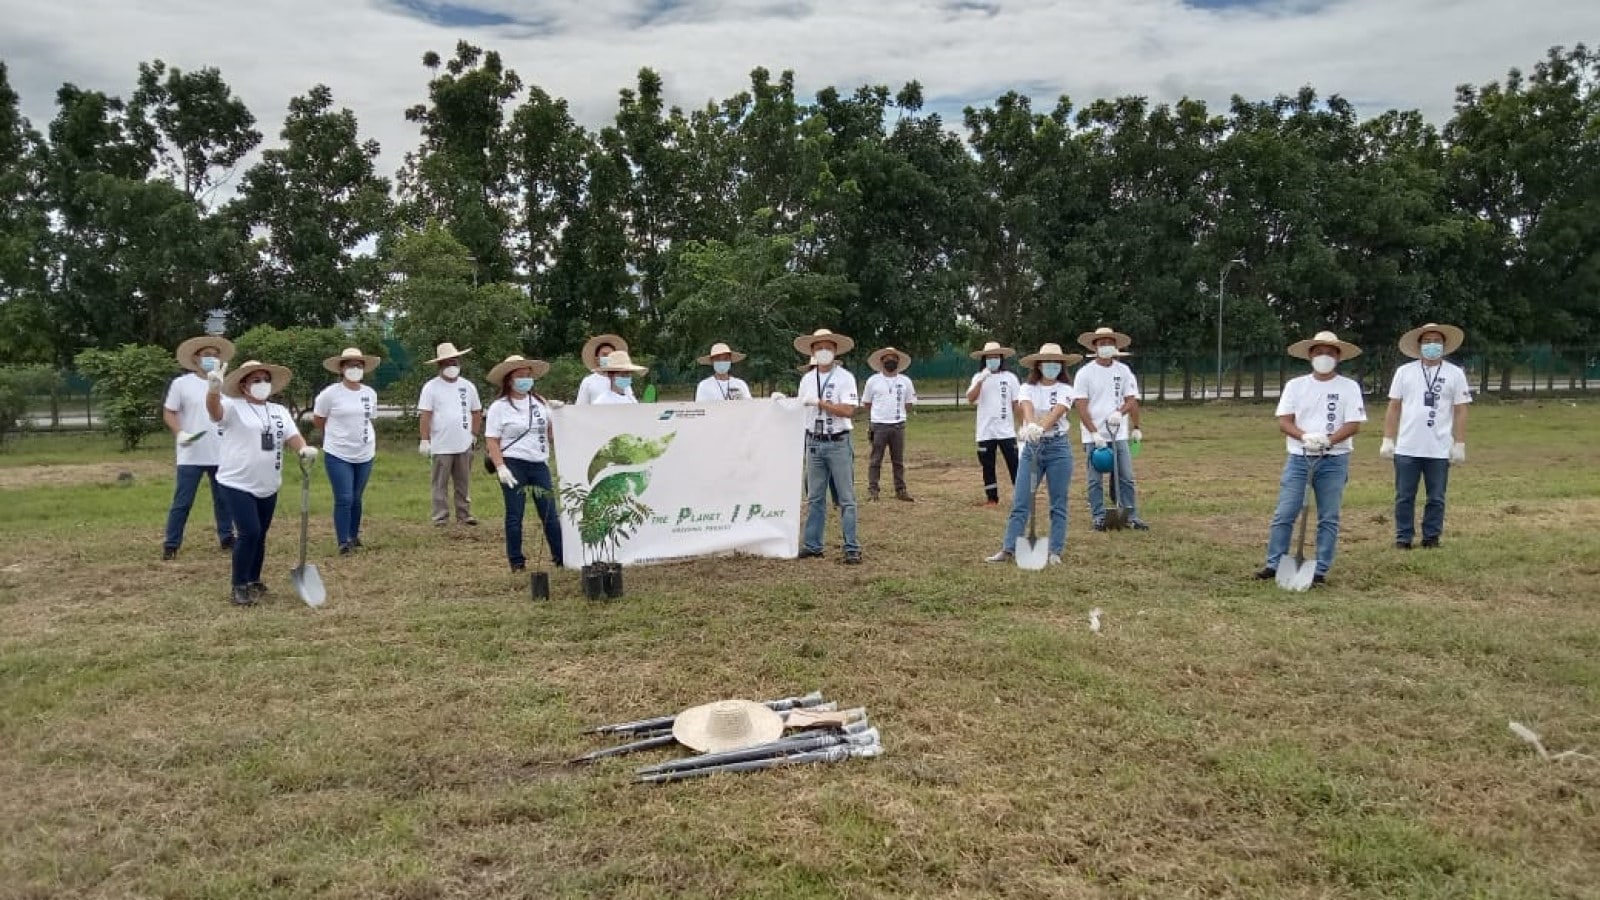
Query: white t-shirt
[
  {"x": 594, "y": 386},
  {"x": 996, "y": 420},
  {"x": 1322, "y": 406},
  {"x": 452, "y": 404},
  {"x": 889, "y": 396},
  {"x": 245, "y": 465},
  {"x": 525, "y": 421},
  {"x": 1426, "y": 430},
  {"x": 837, "y": 385},
  {"x": 186, "y": 396},
  {"x": 713, "y": 390},
  {"x": 1105, "y": 387},
  {"x": 348, "y": 432},
  {"x": 1046, "y": 397}
]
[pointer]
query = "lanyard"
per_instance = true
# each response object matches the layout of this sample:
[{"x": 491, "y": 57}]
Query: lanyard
[
  {"x": 824, "y": 423},
  {"x": 1432, "y": 384},
  {"x": 721, "y": 386}
]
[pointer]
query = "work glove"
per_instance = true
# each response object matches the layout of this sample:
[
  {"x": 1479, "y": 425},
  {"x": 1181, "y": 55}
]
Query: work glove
[
  {"x": 1314, "y": 442},
  {"x": 308, "y": 453},
  {"x": 1137, "y": 436},
  {"x": 214, "y": 378},
  {"x": 556, "y": 404},
  {"x": 506, "y": 478},
  {"x": 778, "y": 395},
  {"x": 1458, "y": 452},
  {"x": 425, "y": 447},
  {"x": 811, "y": 401},
  {"x": 1031, "y": 433},
  {"x": 188, "y": 437},
  {"x": 1114, "y": 420},
  {"x": 1387, "y": 450},
  {"x": 1099, "y": 440},
  {"x": 983, "y": 375}
]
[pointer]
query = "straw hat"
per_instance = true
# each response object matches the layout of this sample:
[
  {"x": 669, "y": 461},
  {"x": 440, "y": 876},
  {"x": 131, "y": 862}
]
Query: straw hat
[
  {"x": 805, "y": 343},
  {"x": 188, "y": 349},
  {"x": 593, "y": 344},
  {"x": 992, "y": 348},
  {"x": 726, "y": 725},
  {"x": 875, "y": 361},
  {"x": 1411, "y": 341},
  {"x": 807, "y": 366},
  {"x": 280, "y": 377},
  {"x": 446, "y": 351},
  {"x": 335, "y": 364},
  {"x": 718, "y": 349},
  {"x": 1302, "y": 349},
  {"x": 1052, "y": 353},
  {"x": 619, "y": 363},
  {"x": 1088, "y": 338},
  {"x": 497, "y": 375}
]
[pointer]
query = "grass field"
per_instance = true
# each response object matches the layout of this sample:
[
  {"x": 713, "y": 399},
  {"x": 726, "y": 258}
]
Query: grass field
[{"x": 1219, "y": 738}]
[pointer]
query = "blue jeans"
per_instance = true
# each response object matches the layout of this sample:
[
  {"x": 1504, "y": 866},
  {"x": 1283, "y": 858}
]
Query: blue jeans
[
  {"x": 1408, "y": 471},
  {"x": 1050, "y": 459},
  {"x": 534, "y": 475},
  {"x": 252, "y": 517},
  {"x": 830, "y": 464},
  {"x": 1126, "y": 489},
  {"x": 348, "y": 481},
  {"x": 188, "y": 482},
  {"x": 1328, "y": 481}
]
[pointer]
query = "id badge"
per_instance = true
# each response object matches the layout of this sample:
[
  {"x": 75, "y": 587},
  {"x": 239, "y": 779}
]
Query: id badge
[
  {"x": 1430, "y": 399},
  {"x": 268, "y": 443}
]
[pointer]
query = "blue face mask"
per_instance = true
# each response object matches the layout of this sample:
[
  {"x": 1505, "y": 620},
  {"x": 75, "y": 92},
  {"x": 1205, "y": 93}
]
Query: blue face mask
[
  {"x": 522, "y": 385},
  {"x": 603, "y": 360},
  {"x": 1432, "y": 351},
  {"x": 1051, "y": 370},
  {"x": 624, "y": 381},
  {"x": 208, "y": 363},
  {"x": 992, "y": 364},
  {"x": 721, "y": 366}
]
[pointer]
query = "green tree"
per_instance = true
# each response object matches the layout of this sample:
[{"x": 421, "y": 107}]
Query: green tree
[
  {"x": 24, "y": 235},
  {"x": 131, "y": 382},
  {"x": 194, "y": 124}
]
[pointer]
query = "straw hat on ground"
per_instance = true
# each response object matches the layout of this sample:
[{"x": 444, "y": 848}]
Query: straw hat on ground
[
  {"x": 280, "y": 377},
  {"x": 875, "y": 361},
  {"x": 719, "y": 349},
  {"x": 1411, "y": 341},
  {"x": 497, "y": 375},
  {"x": 726, "y": 725},
  {"x": 1302, "y": 349},
  {"x": 806, "y": 343},
  {"x": 1052, "y": 353},
  {"x": 619, "y": 363},
  {"x": 336, "y": 364},
  {"x": 992, "y": 348},
  {"x": 446, "y": 351},
  {"x": 1087, "y": 339},
  {"x": 593, "y": 344},
  {"x": 188, "y": 350}
]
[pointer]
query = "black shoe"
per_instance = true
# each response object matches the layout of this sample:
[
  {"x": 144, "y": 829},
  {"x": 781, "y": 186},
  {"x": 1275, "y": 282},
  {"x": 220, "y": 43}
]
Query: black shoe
[
  {"x": 1402, "y": 545},
  {"x": 1138, "y": 525},
  {"x": 1319, "y": 579},
  {"x": 518, "y": 567},
  {"x": 852, "y": 557},
  {"x": 1430, "y": 543},
  {"x": 356, "y": 543},
  {"x": 873, "y": 495},
  {"x": 347, "y": 548},
  {"x": 470, "y": 520},
  {"x": 810, "y": 554},
  {"x": 1266, "y": 574},
  {"x": 258, "y": 591},
  {"x": 168, "y": 554},
  {"x": 904, "y": 496},
  {"x": 242, "y": 596},
  {"x": 1099, "y": 524},
  {"x": 226, "y": 543}
]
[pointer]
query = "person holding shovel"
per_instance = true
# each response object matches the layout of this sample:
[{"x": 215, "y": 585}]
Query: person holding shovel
[
  {"x": 1108, "y": 415},
  {"x": 343, "y": 413},
  {"x": 1046, "y": 449},
  {"x": 888, "y": 396},
  {"x": 518, "y": 437},
  {"x": 721, "y": 385},
  {"x": 829, "y": 391},
  {"x": 1319, "y": 415},
  {"x": 451, "y": 415},
  {"x": 255, "y": 432},
  {"x": 196, "y": 439},
  {"x": 994, "y": 390},
  {"x": 596, "y": 352},
  {"x": 1425, "y": 428}
]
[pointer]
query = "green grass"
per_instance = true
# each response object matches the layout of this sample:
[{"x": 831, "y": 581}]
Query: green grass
[{"x": 1219, "y": 738}]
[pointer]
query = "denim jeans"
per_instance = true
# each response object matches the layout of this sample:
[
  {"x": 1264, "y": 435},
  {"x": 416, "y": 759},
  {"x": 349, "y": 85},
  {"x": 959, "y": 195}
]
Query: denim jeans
[
  {"x": 1408, "y": 471},
  {"x": 187, "y": 484},
  {"x": 1327, "y": 482},
  {"x": 1007, "y": 447},
  {"x": 348, "y": 481},
  {"x": 1126, "y": 488},
  {"x": 1050, "y": 459},
  {"x": 534, "y": 475},
  {"x": 252, "y": 517},
  {"x": 830, "y": 464}
]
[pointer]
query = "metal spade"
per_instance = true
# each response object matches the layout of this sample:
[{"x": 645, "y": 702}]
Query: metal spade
[
  {"x": 1297, "y": 574},
  {"x": 1118, "y": 516},
  {"x": 306, "y": 579},
  {"x": 1031, "y": 552}
]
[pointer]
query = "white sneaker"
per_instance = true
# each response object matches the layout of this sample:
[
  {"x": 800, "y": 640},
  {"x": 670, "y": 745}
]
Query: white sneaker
[
  {"x": 1054, "y": 560},
  {"x": 1002, "y": 556}
]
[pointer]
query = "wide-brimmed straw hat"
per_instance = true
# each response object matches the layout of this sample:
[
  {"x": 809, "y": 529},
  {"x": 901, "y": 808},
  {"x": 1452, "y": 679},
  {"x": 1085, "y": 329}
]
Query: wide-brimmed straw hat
[
  {"x": 726, "y": 725},
  {"x": 1087, "y": 339},
  {"x": 189, "y": 349},
  {"x": 280, "y": 377},
  {"x": 1411, "y": 341},
  {"x": 875, "y": 361},
  {"x": 806, "y": 342},
  {"x": 719, "y": 349},
  {"x": 497, "y": 375},
  {"x": 446, "y": 351},
  {"x": 619, "y": 363},
  {"x": 336, "y": 364},
  {"x": 1302, "y": 349},
  {"x": 1052, "y": 353},
  {"x": 992, "y": 348},
  {"x": 593, "y": 344}
]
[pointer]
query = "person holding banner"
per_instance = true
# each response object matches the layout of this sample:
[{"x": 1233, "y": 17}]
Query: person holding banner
[
  {"x": 517, "y": 437},
  {"x": 888, "y": 396},
  {"x": 618, "y": 370},
  {"x": 197, "y": 440},
  {"x": 995, "y": 389},
  {"x": 721, "y": 385},
  {"x": 596, "y": 352},
  {"x": 830, "y": 391},
  {"x": 1047, "y": 450}
]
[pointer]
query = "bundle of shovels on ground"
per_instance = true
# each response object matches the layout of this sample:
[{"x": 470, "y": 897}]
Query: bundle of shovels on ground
[{"x": 745, "y": 736}]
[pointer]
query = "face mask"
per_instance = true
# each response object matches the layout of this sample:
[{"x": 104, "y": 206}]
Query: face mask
[
  {"x": 522, "y": 385},
  {"x": 721, "y": 366},
  {"x": 823, "y": 357},
  {"x": 992, "y": 364},
  {"x": 354, "y": 374},
  {"x": 1051, "y": 370},
  {"x": 1323, "y": 364},
  {"x": 208, "y": 363},
  {"x": 624, "y": 381},
  {"x": 450, "y": 372},
  {"x": 604, "y": 360},
  {"x": 261, "y": 390},
  {"x": 1432, "y": 351},
  {"x": 891, "y": 365},
  {"x": 1106, "y": 351}
]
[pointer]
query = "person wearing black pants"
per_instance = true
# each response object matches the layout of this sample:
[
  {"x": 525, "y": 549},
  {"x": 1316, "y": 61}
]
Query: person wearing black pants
[
  {"x": 1007, "y": 448},
  {"x": 994, "y": 391}
]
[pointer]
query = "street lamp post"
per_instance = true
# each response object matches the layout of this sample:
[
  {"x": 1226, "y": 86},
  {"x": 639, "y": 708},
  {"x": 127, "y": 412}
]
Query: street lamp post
[{"x": 1222, "y": 296}]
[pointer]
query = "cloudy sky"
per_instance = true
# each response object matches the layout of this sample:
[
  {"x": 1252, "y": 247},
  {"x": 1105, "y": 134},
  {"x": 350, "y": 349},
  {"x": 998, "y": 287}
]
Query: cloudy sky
[{"x": 1378, "y": 53}]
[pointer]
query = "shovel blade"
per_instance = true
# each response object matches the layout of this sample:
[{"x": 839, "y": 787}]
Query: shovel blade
[
  {"x": 1116, "y": 519},
  {"x": 1296, "y": 574},
  {"x": 1031, "y": 553},
  {"x": 307, "y": 583}
]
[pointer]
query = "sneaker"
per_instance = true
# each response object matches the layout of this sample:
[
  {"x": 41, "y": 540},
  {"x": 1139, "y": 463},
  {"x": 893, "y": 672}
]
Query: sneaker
[
  {"x": 168, "y": 554},
  {"x": 226, "y": 543},
  {"x": 1053, "y": 560},
  {"x": 1266, "y": 574},
  {"x": 1430, "y": 543},
  {"x": 810, "y": 554},
  {"x": 873, "y": 495},
  {"x": 1099, "y": 524},
  {"x": 991, "y": 503},
  {"x": 1402, "y": 545},
  {"x": 1139, "y": 525},
  {"x": 242, "y": 596},
  {"x": 852, "y": 557},
  {"x": 258, "y": 591},
  {"x": 470, "y": 520},
  {"x": 518, "y": 567},
  {"x": 1002, "y": 556},
  {"x": 441, "y": 523},
  {"x": 905, "y": 496},
  {"x": 347, "y": 548},
  {"x": 356, "y": 543},
  {"x": 1319, "y": 579}
]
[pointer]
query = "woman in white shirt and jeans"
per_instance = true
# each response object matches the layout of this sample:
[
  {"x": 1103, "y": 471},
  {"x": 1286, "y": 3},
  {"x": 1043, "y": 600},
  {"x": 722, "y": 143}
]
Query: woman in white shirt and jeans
[
  {"x": 343, "y": 413},
  {"x": 518, "y": 437},
  {"x": 1047, "y": 452}
]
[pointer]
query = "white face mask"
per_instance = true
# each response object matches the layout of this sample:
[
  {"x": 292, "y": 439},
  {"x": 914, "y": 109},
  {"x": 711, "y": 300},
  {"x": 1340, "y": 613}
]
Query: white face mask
[
  {"x": 450, "y": 372},
  {"x": 1323, "y": 363},
  {"x": 261, "y": 390},
  {"x": 354, "y": 373},
  {"x": 1106, "y": 351},
  {"x": 823, "y": 357}
]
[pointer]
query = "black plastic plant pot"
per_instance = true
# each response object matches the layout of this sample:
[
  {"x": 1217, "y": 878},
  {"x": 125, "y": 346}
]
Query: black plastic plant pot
[
  {"x": 594, "y": 578},
  {"x": 539, "y": 585},
  {"x": 613, "y": 580}
]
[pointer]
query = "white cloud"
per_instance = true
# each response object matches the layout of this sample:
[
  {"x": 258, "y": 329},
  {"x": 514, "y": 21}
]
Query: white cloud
[{"x": 1379, "y": 53}]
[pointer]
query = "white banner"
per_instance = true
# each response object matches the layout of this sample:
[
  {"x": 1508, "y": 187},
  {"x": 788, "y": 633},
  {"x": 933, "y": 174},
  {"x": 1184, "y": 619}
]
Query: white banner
[{"x": 715, "y": 478}]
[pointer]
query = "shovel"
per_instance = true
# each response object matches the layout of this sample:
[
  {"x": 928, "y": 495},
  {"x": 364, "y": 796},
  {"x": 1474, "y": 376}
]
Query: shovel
[
  {"x": 1031, "y": 552},
  {"x": 1118, "y": 516},
  {"x": 305, "y": 578},
  {"x": 1296, "y": 575}
]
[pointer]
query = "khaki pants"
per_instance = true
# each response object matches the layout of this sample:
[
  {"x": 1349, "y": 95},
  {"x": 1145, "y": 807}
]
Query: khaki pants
[
  {"x": 449, "y": 467},
  {"x": 892, "y": 438}
]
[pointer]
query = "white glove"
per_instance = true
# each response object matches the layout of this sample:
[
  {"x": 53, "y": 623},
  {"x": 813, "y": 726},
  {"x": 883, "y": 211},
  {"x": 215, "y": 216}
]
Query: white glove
[
  {"x": 1387, "y": 450},
  {"x": 556, "y": 404},
  {"x": 188, "y": 437},
  {"x": 811, "y": 401},
  {"x": 308, "y": 453},
  {"x": 778, "y": 395},
  {"x": 214, "y": 378},
  {"x": 1137, "y": 436},
  {"x": 1031, "y": 433},
  {"x": 1099, "y": 440},
  {"x": 1458, "y": 452},
  {"x": 425, "y": 447},
  {"x": 1314, "y": 442},
  {"x": 1114, "y": 420},
  {"x": 506, "y": 478},
  {"x": 983, "y": 375}
]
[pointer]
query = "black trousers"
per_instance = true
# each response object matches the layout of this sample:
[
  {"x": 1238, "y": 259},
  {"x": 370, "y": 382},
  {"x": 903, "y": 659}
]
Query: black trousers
[{"x": 986, "y": 449}]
